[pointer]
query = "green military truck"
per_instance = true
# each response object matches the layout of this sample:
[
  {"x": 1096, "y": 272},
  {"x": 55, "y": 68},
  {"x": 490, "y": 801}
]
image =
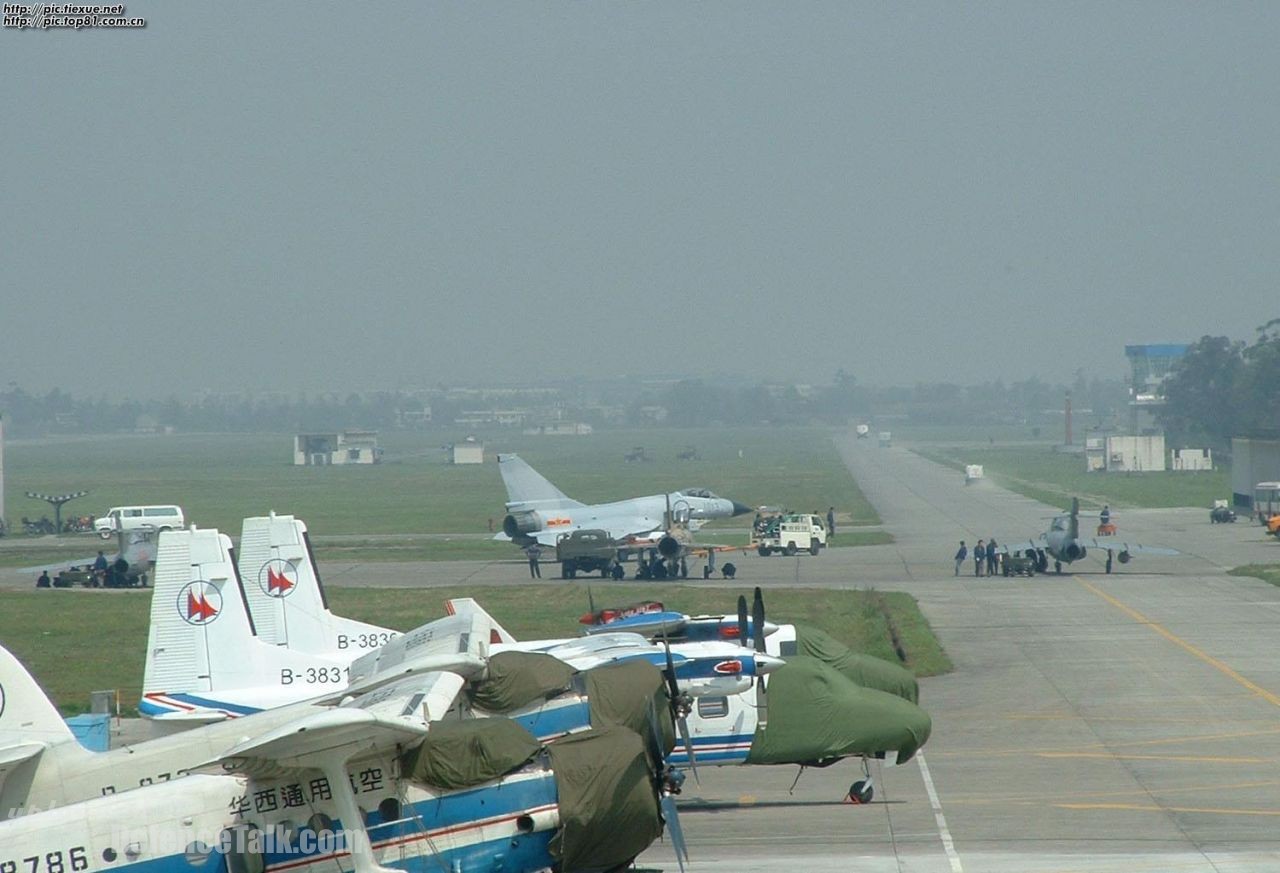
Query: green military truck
[{"x": 586, "y": 551}]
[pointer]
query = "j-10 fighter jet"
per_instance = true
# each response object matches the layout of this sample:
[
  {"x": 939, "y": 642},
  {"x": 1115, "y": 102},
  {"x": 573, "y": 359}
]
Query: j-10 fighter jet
[
  {"x": 1063, "y": 543},
  {"x": 538, "y": 511}
]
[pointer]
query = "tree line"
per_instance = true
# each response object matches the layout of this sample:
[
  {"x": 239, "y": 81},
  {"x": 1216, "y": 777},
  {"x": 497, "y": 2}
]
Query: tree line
[{"x": 1224, "y": 388}]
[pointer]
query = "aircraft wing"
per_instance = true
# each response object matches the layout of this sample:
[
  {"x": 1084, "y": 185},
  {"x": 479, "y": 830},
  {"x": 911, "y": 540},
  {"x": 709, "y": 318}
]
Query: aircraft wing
[
  {"x": 1115, "y": 544},
  {"x": 456, "y": 643},
  {"x": 529, "y": 489},
  {"x": 391, "y": 716}
]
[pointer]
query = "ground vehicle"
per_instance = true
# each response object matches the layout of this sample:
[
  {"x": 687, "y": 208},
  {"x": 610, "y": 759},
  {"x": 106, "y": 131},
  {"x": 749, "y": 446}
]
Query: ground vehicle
[
  {"x": 1266, "y": 506},
  {"x": 1019, "y": 564},
  {"x": 1221, "y": 513},
  {"x": 863, "y": 431},
  {"x": 586, "y": 550},
  {"x": 972, "y": 473},
  {"x": 886, "y": 439},
  {"x": 127, "y": 518},
  {"x": 791, "y": 533}
]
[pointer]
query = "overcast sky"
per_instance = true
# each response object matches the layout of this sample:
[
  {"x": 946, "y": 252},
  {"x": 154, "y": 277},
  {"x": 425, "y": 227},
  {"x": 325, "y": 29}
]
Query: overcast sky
[{"x": 310, "y": 196}]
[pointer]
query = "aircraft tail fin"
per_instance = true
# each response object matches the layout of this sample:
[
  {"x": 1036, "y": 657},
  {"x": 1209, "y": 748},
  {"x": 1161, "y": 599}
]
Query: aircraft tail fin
[
  {"x": 285, "y": 595},
  {"x": 468, "y": 606},
  {"x": 27, "y": 715},
  {"x": 526, "y": 485},
  {"x": 1075, "y": 518}
]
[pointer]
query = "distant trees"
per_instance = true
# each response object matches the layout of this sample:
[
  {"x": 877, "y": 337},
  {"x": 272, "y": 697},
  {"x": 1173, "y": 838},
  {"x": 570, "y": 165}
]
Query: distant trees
[{"x": 1223, "y": 388}]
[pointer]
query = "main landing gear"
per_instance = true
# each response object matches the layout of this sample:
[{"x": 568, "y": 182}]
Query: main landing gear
[{"x": 863, "y": 790}]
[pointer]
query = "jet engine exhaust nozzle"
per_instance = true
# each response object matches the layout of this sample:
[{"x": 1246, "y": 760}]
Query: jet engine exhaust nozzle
[
  {"x": 518, "y": 523},
  {"x": 1073, "y": 552},
  {"x": 668, "y": 546}
]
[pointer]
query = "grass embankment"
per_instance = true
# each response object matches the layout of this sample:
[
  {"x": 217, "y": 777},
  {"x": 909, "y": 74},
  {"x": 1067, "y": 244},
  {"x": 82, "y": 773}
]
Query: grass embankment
[
  {"x": 1054, "y": 478},
  {"x": 77, "y": 641},
  {"x": 1266, "y": 572},
  {"x": 221, "y": 478}
]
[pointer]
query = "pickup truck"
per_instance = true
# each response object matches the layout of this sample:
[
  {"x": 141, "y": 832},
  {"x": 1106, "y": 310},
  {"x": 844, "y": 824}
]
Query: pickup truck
[
  {"x": 789, "y": 534},
  {"x": 586, "y": 550}
]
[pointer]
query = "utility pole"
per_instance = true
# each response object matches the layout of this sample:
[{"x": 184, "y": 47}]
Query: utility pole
[{"x": 1068, "y": 418}]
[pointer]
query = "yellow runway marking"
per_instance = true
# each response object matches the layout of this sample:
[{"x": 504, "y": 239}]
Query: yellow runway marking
[
  {"x": 1178, "y": 641},
  {"x": 1198, "y": 759},
  {"x": 1143, "y": 807}
]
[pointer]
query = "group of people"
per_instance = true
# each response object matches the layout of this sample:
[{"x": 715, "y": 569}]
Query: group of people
[
  {"x": 986, "y": 556},
  {"x": 761, "y": 522}
]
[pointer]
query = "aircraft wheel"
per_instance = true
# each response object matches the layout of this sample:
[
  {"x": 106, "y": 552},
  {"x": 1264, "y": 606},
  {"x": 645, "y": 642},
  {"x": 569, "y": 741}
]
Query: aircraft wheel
[
  {"x": 813, "y": 547},
  {"x": 861, "y": 791},
  {"x": 1108, "y": 565},
  {"x": 706, "y": 572},
  {"x": 789, "y": 550},
  {"x": 604, "y": 572},
  {"x": 1057, "y": 567}
]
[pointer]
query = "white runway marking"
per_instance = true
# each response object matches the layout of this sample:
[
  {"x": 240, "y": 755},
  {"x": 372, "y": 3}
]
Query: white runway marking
[{"x": 943, "y": 831}]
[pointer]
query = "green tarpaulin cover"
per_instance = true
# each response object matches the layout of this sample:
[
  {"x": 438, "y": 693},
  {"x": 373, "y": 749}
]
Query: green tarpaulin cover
[
  {"x": 516, "y": 679},
  {"x": 816, "y": 713},
  {"x": 608, "y": 809},
  {"x": 625, "y": 693},
  {"x": 460, "y": 754},
  {"x": 866, "y": 670}
]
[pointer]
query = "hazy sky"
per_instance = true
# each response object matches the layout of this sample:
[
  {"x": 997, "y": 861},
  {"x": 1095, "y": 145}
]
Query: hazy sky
[{"x": 310, "y": 195}]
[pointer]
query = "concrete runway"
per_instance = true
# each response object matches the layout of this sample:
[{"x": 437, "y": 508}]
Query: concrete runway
[{"x": 1128, "y": 722}]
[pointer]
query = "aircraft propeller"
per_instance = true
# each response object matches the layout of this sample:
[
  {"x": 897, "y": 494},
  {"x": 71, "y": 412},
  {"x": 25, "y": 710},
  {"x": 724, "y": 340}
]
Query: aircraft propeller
[
  {"x": 681, "y": 706},
  {"x": 667, "y": 781},
  {"x": 742, "y": 620}
]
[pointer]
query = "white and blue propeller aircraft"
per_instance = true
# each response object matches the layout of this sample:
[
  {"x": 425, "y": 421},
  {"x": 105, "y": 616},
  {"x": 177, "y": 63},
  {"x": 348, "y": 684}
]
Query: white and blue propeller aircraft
[
  {"x": 205, "y": 660},
  {"x": 538, "y": 511},
  {"x": 1063, "y": 543},
  {"x": 368, "y": 782},
  {"x": 715, "y": 668}
]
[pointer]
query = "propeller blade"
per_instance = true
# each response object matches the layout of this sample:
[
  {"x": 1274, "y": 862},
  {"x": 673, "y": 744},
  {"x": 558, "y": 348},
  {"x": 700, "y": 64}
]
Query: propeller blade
[
  {"x": 683, "y": 724},
  {"x": 742, "y": 620},
  {"x": 757, "y": 621},
  {"x": 672, "y": 819}
]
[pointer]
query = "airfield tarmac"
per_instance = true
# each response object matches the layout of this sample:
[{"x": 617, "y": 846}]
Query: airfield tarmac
[{"x": 1128, "y": 722}]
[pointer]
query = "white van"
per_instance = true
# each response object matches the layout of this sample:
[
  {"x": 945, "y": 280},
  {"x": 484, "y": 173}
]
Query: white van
[{"x": 120, "y": 518}]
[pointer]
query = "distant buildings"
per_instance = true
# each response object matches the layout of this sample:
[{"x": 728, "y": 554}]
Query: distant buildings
[{"x": 346, "y": 447}]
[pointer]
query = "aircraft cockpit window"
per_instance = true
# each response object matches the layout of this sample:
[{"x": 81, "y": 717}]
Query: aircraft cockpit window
[
  {"x": 1059, "y": 524},
  {"x": 698, "y": 492},
  {"x": 713, "y": 707}
]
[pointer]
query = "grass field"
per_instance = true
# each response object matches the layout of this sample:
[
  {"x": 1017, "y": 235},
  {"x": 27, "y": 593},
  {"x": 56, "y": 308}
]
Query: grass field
[
  {"x": 47, "y": 629},
  {"x": 219, "y": 479},
  {"x": 1054, "y": 478}
]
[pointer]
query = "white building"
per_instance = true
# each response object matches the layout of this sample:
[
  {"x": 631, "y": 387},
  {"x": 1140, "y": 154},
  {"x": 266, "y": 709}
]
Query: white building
[
  {"x": 1191, "y": 459},
  {"x": 1125, "y": 454},
  {"x": 347, "y": 447},
  {"x": 469, "y": 451}
]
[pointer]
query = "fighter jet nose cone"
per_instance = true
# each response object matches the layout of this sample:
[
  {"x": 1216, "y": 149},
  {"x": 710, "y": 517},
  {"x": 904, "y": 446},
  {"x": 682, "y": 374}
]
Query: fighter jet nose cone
[{"x": 741, "y": 508}]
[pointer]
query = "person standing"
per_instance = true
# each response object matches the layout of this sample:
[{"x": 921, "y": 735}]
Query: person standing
[
  {"x": 979, "y": 555},
  {"x": 831, "y": 521},
  {"x": 100, "y": 568},
  {"x": 534, "y": 552},
  {"x": 993, "y": 558},
  {"x": 42, "y": 581},
  {"x": 961, "y": 554}
]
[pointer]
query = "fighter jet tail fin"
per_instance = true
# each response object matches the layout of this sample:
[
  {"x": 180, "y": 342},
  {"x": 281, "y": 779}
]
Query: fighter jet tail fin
[
  {"x": 285, "y": 595},
  {"x": 527, "y": 487},
  {"x": 1075, "y": 518}
]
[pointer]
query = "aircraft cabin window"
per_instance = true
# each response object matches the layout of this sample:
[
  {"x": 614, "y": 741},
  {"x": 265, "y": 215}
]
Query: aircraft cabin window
[
  {"x": 243, "y": 844},
  {"x": 197, "y": 853},
  {"x": 713, "y": 707}
]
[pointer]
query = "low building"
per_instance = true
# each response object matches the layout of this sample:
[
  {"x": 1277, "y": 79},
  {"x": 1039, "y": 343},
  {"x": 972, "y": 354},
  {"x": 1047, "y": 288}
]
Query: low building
[
  {"x": 1252, "y": 461},
  {"x": 469, "y": 451},
  {"x": 560, "y": 428},
  {"x": 346, "y": 447},
  {"x": 1191, "y": 459},
  {"x": 1125, "y": 454}
]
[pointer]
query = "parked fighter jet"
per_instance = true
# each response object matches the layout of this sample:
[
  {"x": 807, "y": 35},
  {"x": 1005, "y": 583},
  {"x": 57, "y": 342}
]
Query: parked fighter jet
[
  {"x": 369, "y": 782},
  {"x": 538, "y": 511},
  {"x": 1063, "y": 543}
]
